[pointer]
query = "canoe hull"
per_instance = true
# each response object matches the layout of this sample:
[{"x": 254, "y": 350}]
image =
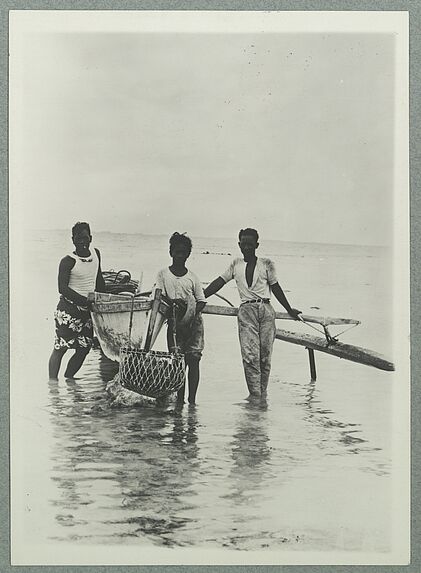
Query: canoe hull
[{"x": 111, "y": 320}]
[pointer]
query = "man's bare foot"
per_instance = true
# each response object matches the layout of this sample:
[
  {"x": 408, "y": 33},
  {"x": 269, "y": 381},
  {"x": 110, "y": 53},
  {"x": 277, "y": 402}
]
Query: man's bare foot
[{"x": 252, "y": 398}]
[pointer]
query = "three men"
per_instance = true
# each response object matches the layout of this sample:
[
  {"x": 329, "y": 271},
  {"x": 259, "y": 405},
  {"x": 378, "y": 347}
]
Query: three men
[{"x": 255, "y": 278}]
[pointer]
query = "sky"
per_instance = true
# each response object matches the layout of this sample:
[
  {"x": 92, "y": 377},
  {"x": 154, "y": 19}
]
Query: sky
[{"x": 208, "y": 133}]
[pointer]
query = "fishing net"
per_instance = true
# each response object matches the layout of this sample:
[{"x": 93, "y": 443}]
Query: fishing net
[{"x": 151, "y": 373}]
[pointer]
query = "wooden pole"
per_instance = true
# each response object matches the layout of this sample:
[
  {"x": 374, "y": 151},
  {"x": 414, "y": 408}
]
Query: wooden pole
[
  {"x": 312, "y": 364},
  {"x": 325, "y": 321},
  {"x": 131, "y": 321},
  {"x": 152, "y": 319}
]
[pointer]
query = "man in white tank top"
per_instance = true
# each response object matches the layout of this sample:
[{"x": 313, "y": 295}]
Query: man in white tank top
[
  {"x": 256, "y": 280},
  {"x": 79, "y": 274}
]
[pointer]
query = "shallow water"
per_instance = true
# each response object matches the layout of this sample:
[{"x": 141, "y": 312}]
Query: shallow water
[{"x": 312, "y": 471}]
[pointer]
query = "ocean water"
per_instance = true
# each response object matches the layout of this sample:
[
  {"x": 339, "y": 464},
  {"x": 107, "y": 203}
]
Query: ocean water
[{"x": 314, "y": 472}]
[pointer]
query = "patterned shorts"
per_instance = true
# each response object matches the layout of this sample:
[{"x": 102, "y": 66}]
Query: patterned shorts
[{"x": 73, "y": 326}]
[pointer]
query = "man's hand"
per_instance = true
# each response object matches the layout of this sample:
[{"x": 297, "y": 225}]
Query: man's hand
[
  {"x": 200, "y": 305},
  {"x": 294, "y": 313},
  {"x": 189, "y": 314},
  {"x": 90, "y": 300}
]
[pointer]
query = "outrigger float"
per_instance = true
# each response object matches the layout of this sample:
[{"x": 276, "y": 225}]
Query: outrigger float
[{"x": 115, "y": 315}]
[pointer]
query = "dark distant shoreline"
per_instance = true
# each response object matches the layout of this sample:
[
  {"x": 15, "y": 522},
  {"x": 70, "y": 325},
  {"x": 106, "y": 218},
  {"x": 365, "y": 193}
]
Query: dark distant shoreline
[{"x": 232, "y": 239}]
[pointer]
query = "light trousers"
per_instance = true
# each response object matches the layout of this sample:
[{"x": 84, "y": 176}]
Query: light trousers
[{"x": 256, "y": 331}]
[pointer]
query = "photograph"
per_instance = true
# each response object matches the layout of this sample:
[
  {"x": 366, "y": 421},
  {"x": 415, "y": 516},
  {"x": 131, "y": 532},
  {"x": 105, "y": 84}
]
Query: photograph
[{"x": 209, "y": 287}]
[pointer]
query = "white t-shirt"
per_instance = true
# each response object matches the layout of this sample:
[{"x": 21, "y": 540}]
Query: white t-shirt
[
  {"x": 264, "y": 277},
  {"x": 180, "y": 287}
]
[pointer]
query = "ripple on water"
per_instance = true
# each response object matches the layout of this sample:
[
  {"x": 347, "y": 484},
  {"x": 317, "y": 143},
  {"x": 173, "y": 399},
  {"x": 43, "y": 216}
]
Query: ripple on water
[{"x": 230, "y": 477}]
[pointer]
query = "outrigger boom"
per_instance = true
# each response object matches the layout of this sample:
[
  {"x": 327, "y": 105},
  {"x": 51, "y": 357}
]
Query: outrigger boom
[{"x": 325, "y": 321}]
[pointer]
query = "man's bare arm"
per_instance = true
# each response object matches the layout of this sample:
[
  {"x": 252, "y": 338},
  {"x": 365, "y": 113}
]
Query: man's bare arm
[
  {"x": 280, "y": 295},
  {"x": 214, "y": 287},
  {"x": 64, "y": 270},
  {"x": 100, "y": 282}
]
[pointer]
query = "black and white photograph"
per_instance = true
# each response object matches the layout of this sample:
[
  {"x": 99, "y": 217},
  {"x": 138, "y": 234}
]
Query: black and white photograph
[{"x": 209, "y": 288}]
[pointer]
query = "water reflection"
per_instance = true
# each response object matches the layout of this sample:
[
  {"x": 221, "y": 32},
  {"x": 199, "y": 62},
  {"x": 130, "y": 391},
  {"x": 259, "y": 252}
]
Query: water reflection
[
  {"x": 334, "y": 435},
  {"x": 160, "y": 475},
  {"x": 107, "y": 368},
  {"x": 251, "y": 454},
  {"x": 127, "y": 472},
  {"x": 159, "y": 478}
]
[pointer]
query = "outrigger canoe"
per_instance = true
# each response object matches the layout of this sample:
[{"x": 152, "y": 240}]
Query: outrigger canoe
[{"x": 111, "y": 318}]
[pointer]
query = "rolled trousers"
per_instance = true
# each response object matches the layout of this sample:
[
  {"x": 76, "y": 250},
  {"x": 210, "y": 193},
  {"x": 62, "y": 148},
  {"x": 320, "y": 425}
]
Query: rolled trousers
[{"x": 256, "y": 331}]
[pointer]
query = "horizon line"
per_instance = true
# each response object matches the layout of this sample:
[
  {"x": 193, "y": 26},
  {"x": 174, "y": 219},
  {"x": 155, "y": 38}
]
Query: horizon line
[{"x": 224, "y": 237}]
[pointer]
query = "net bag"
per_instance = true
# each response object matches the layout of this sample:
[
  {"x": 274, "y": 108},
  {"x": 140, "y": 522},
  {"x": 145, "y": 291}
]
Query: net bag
[{"x": 151, "y": 373}]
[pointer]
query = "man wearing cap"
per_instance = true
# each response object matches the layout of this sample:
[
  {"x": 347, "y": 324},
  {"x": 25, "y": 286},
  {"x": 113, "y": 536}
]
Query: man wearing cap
[{"x": 256, "y": 279}]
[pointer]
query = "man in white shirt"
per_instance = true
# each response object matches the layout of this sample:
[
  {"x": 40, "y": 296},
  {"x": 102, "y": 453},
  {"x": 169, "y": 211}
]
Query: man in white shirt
[
  {"x": 256, "y": 279},
  {"x": 182, "y": 286}
]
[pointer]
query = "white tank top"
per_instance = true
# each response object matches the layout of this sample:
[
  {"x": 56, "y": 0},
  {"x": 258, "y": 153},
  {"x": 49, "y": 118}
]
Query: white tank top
[{"x": 83, "y": 274}]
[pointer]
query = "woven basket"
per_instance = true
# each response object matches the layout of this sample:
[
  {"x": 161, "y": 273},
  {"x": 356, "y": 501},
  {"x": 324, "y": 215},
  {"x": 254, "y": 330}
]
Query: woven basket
[{"x": 151, "y": 373}]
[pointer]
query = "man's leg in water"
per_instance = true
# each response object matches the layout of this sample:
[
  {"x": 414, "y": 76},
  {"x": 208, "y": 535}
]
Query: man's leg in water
[
  {"x": 55, "y": 362},
  {"x": 76, "y": 362},
  {"x": 193, "y": 344},
  {"x": 267, "y": 338},
  {"x": 192, "y": 362},
  {"x": 171, "y": 348},
  {"x": 248, "y": 332},
  {"x": 180, "y": 395}
]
